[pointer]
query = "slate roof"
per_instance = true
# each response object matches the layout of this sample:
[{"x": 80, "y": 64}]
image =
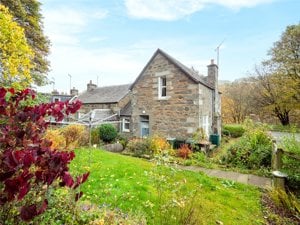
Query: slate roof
[
  {"x": 127, "y": 110},
  {"x": 109, "y": 94},
  {"x": 187, "y": 71}
]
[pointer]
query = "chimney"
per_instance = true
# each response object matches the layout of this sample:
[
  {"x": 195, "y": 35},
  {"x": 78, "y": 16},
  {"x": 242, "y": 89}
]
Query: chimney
[
  {"x": 212, "y": 74},
  {"x": 212, "y": 79},
  {"x": 73, "y": 91},
  {"x": 91, "y": 86}
]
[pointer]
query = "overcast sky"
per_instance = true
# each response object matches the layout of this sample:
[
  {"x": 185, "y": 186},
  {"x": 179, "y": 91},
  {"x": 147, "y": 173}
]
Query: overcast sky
[{"x": 110, "y": 41}]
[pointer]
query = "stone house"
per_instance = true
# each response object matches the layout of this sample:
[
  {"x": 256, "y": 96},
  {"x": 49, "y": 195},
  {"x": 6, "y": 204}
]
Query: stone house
[
  {"x": 104, "y": 104},
  {"x": 167, "y": 99},
  {"x": 172, "y": 100}
]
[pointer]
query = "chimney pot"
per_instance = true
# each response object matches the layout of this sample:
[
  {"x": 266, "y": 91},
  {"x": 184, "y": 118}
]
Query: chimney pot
[{"x": 212, "y": 61}]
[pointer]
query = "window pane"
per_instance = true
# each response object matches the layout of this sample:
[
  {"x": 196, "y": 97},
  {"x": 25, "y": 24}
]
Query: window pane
[
  {"x": 164, "y": 91},
  {"x": 163, "y": 81}
]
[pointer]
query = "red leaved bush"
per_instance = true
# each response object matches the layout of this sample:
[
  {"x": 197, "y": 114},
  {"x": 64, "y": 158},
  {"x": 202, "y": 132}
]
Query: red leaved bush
[
  {"x": 184, "y": 151},
  {"x": 27, "y": 163}
]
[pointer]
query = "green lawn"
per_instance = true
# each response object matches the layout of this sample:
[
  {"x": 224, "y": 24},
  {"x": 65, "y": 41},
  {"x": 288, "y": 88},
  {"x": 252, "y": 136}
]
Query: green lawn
[{"x": 136, "y": 185}]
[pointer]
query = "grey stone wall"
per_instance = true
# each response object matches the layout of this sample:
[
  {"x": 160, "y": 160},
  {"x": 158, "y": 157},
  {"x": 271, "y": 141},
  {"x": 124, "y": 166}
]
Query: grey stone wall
[{"x": 178, "y": 115}]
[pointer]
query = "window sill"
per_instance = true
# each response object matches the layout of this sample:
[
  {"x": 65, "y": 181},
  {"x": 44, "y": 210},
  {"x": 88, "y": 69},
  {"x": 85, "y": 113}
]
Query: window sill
[
  {"x": 164, "y": 98},
  {"x": 125, "y": 131}
]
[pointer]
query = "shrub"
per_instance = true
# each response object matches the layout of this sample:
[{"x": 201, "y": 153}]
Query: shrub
[
  {"x": 107, "y": 133},
  {"x": 122, "y": 140},
  {"x": 159, "y": 144},
  {"x": 57, "y": 139},
  {"x": 139, "y": 147},
  {"x": 73, "y": 134},
  {"x": 290, "y": 165},
  {"x": 285, "y": 201},
  {"x": 252, "y": 151},
  {"x": 95, "y": 137},
  {"x": 28, "y": 166},
  {"x": 84, "y": 138},
  {"x": 184, "y": 151},
  {"x": 233, "y": 130}
]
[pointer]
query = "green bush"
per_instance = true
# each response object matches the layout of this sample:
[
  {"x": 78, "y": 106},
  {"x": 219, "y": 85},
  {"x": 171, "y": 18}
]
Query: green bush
[
  {"x": 107, "y": 133},
  {"x": 233, "y": 130},
  {"x": 139, "y": 147},
  {"x": 252, "y": 151},
  {"x": 290, "y": 165},
  {"x": 122, "y": 140}
]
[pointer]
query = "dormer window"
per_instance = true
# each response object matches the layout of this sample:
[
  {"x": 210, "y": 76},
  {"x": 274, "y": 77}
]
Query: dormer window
[{"x": 162, "y": 87}]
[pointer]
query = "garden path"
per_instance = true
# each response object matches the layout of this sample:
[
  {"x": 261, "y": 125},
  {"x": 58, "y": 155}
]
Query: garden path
[{"x": 262, "y": 182}]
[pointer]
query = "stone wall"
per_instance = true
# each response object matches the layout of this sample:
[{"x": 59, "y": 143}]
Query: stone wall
[
  {"x": 178, "y": 115},
  {"x": 85, "y": 108}
]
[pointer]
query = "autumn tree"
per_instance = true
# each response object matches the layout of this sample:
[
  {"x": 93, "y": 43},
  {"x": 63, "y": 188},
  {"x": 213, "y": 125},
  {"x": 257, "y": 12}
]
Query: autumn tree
[
  {"x": 27, "y": 14},
  {"x": 278, "y": 78},
  {"x": 15, "y": 54},
  {"x": 236, "y": 101},
  {"x": 285, "y": 55},
  {"x": 274, "y": 94}
]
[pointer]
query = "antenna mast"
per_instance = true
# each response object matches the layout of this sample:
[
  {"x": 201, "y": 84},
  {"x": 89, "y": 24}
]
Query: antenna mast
[{"x": 218, "y": 51}]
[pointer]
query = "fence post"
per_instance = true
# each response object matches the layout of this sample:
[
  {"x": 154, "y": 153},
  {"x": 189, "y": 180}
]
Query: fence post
[
  {"x": 276, "y": 157},
  {"x": 278, "y": 177}
]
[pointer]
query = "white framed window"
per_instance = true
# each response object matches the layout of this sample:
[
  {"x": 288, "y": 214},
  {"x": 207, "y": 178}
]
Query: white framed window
[
  {"x": 162, "y": 87},
  {"x": 126, "y": 125}
]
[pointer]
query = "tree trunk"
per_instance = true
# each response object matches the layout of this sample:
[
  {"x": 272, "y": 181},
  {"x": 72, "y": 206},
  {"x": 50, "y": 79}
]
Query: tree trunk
[{"x": 283, "y": 116}]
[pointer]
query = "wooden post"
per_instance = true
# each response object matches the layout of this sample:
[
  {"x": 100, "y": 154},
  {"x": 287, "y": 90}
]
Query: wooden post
[{"x": 278, "y": 177}]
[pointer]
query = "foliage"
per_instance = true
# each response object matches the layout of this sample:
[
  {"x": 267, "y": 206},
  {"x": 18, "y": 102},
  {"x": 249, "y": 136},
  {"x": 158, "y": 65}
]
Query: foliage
[
  {"x": 273, "y": 93},
  {"x": 236, "y": 101},
  {"x": 233, "y": 130},
  {"x": 73, "y": 134},
  {"x": 184, "y": 151},
  {"x": 108, "y": 133},
  {"x": 63, "y": 209},
  {"x": 28, "y": 166},
  {"x": 140, "y": 147},
  {"x": 199, "y": 135},
  {"x": 123, "y": 140},
  {"x": 173, "y": 208},
  {"x": 253, "y": 150},
  {"x": 27, "y": 14},
  {"x": 291, "y": 165},
  {"x": 287, "y": 201},
  {"x": 57, "y": 139},
  {"x": 159, "y": 144},
  {"x": 281, "y": 128},
  {"x": 197, "y": 159},
  {"x": 277, "y": 80},
  {"x": 15, "y": 54},
  {"x": 95, "y": 138},
  {"x": 285, "y": 56}
]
